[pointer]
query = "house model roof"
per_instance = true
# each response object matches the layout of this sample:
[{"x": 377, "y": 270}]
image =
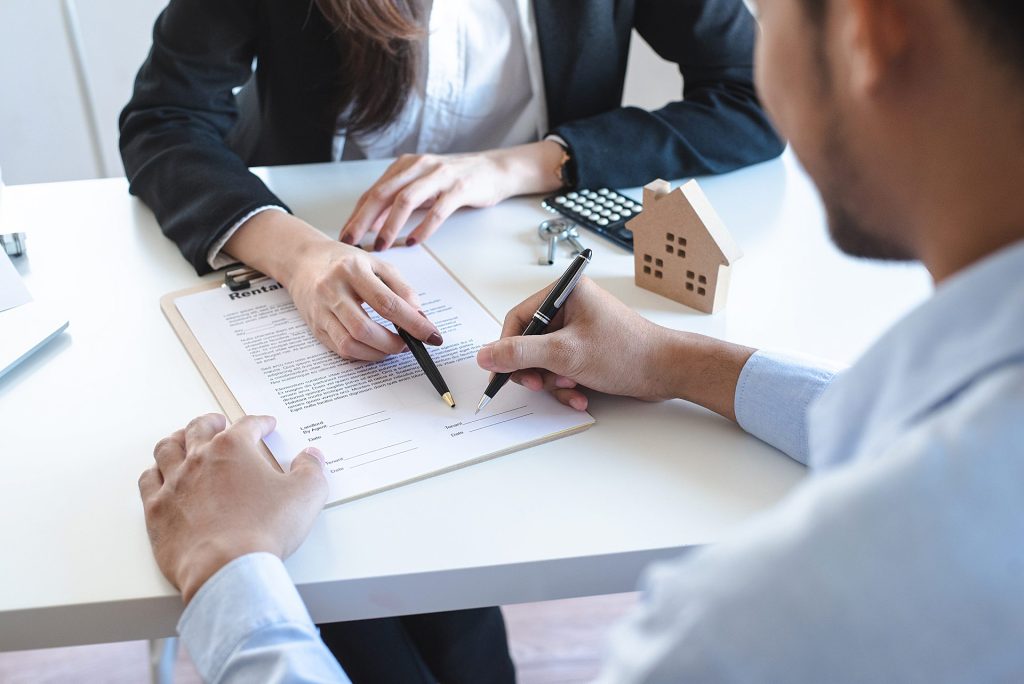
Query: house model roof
[{"x": 661, "y": 204}]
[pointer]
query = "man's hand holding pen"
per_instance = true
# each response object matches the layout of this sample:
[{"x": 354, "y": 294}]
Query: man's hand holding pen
[
  {"x": 595, "y": 341},
  {"x": 599, "y": 343}
]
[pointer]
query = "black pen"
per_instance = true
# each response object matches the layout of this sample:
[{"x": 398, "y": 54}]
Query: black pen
[
  {"x": 542, "y": 318},
  {"x": 427, "y": 364}
]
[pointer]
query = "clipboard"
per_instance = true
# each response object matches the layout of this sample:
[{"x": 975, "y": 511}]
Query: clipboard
[
  {"x": 233, "y": 409},
  {"x": 228, "y": 403},
  {"x": 239, "y": 277}
]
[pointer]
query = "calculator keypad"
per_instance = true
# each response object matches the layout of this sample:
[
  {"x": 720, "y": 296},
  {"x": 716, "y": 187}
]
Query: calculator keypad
[{"x": 603, "y": 211}]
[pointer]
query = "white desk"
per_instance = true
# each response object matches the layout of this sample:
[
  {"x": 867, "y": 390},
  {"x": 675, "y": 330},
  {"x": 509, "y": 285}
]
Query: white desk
[{"x": 578, "y": 516}]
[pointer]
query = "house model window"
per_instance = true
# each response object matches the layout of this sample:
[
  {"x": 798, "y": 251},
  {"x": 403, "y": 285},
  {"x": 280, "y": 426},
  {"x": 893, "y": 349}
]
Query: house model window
[{"x": 682, "y": 249}]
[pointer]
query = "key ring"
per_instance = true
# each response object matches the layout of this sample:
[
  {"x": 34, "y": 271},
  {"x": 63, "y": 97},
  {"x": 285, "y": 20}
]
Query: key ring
[{"x": 554, "y": 230}]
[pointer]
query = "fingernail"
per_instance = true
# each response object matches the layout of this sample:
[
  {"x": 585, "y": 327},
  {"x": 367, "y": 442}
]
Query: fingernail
[
  {"x": 578, "y": 403},
  {"x": 435, "y": 339},
  {"x": 410, "y": 242},
  {"x": 315, "y": 453},
  {"x": 564, "y": 383},
  {"x": 485, "y": 357},
  {"x": 347, "y": 239},
  {"x": 379, "y": 244}
]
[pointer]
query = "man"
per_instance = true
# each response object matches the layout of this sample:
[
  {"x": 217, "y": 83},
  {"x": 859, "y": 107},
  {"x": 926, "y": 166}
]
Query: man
[{"x": 900, "y": 559}]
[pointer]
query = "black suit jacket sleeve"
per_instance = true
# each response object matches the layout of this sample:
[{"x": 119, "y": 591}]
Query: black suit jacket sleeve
[
  {"x": 174, "y": 128},
  {"x": 718, "y": 126}
]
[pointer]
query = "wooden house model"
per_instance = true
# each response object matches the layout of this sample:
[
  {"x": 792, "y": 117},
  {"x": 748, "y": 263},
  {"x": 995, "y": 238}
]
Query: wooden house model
[{"x": 682, "y": 250}]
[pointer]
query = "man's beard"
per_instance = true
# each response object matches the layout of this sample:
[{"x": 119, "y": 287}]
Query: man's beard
[
  {"x": 853, "y": 222},
  {"x": 853, "y": 239}
]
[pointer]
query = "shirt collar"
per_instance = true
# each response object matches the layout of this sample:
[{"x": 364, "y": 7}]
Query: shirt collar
[{"x": 973, "y": 324}]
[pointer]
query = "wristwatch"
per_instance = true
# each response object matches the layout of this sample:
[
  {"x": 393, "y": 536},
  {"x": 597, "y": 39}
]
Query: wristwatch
[{"x": 565, "y": 170}]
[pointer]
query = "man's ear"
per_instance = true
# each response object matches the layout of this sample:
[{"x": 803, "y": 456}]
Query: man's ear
[{"x": 874, "y": 41}]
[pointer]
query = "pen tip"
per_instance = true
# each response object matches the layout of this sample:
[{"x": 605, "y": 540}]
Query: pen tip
[
  {"x": 448, "y": 399},
  {"x": 484, "y": 400}
]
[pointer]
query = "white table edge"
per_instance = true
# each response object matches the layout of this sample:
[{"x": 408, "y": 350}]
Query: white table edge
[{"x": 354, "y": 599}]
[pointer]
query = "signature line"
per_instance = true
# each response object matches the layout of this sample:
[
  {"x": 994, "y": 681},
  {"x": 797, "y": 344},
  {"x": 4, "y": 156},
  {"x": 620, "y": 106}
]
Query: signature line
[
  {"x": 362, "y": 426},
  {"x": 507, "y": 420},
  {"x": 383, "y": 457}
]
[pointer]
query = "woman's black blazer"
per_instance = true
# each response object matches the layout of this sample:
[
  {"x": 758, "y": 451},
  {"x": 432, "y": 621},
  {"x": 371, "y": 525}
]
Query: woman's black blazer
[{"x": 187, "y": 138}]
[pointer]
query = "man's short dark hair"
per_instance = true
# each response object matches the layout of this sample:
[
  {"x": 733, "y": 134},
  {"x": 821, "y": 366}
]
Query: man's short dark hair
[{"x": 999, "y": 25}]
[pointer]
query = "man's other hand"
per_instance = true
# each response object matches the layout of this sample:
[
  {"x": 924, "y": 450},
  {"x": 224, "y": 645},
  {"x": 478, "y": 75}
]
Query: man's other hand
[{"x": 213, "y": 496}]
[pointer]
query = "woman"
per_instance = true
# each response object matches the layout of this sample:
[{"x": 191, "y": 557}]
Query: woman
[
  {"x": 358, "y": 78},
  {"x": 479, "y": 99}
]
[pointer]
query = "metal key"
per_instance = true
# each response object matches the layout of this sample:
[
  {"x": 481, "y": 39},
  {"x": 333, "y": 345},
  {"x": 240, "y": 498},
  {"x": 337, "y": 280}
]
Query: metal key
[
  {"x": 553, "y": 231},
  {"x": 550, "y": 258},
  {"x": 572, "y": 237}
]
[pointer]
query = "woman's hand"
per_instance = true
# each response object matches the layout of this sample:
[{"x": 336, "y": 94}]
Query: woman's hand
[
  {"x": 444, "y": 183},
  {"x": 596, "y": 341},
  {"x": 329, "y": 282},
  {"x": 329, "y": 285}
]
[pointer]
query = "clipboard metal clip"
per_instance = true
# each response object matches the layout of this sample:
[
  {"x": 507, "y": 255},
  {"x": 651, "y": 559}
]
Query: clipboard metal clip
[
  {"x": 13, "y": 244},
  {"x": 241, "y": 278}
]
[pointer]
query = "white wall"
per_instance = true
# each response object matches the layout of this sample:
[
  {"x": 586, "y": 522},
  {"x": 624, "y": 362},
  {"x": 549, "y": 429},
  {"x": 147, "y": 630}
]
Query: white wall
[
  {"x": 44, "y": 133},
  {"x": 114, "y": 46},
  {"x": 650, "y": 81},
  {"x": 67, "y": 67}
]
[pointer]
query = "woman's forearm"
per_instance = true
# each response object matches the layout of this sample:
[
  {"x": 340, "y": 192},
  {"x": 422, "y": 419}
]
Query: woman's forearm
[
  {"x": 273, "y": 243},
  {"x": 530, "y": 169}
]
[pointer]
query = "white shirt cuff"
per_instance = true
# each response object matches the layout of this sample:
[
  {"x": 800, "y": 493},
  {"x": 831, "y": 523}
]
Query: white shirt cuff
[
  {"x": 558, "y": 139},
  {"x": 248, "y": 594},
  {"x": 216, "y": 257},
  {"x": 772, "y": 397}
]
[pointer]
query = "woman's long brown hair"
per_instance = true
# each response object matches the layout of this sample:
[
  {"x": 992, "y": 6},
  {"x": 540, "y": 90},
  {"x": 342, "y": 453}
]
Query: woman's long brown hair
[{"x": 378, "y": 41}]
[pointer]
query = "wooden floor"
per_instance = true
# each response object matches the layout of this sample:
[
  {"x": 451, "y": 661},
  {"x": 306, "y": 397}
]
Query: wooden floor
[{"x": 555, "y": 642}]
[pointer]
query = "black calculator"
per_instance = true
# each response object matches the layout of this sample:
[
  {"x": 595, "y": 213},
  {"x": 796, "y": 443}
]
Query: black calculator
[{"x": 603, "y": 211}]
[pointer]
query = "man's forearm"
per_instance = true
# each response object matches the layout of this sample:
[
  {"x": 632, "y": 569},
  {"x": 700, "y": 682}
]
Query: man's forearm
[
  {"x": 703, "y": 370},
  {"x": 768, "y": 394},
  {"x": 248, "y": 621}
]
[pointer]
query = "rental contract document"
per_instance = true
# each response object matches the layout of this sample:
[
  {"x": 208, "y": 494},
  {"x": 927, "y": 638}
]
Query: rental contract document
[{"x": 379, "y": 425}]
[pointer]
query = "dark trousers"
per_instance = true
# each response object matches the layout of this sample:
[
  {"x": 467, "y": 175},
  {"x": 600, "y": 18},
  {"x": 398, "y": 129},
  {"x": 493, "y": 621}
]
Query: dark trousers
[{"x": 460, "y": 646}]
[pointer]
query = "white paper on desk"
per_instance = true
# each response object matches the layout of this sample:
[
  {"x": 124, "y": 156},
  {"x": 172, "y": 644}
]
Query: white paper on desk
[
  {"x": 378, "y": 424},
  {"x": 12, "y": 288}
]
